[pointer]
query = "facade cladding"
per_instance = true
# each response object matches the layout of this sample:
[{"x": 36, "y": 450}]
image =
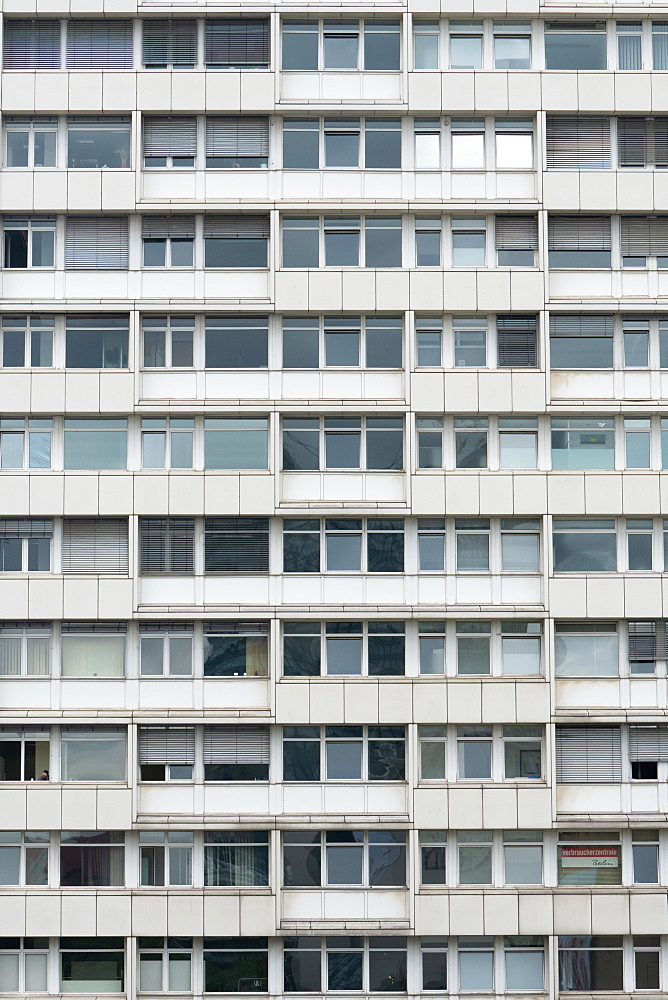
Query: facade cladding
[{"x": 333, "y": 511}]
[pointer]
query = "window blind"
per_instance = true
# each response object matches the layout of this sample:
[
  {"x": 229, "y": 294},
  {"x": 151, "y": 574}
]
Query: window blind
[
  {"x": 95, "y": 545},
  {"x": 236, "y": 744},
  {"x": 516, "y": 341},
  {"x": 166, "y": 744},
  {"x": 577, "y": 325},
  {"x": 644, "y": 235},
  {"x": 97, "y": 628},
  {"x": 219, "y": 627},
  {"x": 102, "y": 43},
  {"x": 236, "y": 544},
  {"x": 236, "y": 226},
  {"x": 579, "y": 232},
  {"x": 166, "y": 135},
  {"x": 31, "y": 44},
  {"x": 648, "y": 743},
  {"x": 237, "y": 41},
  {"x": 642, "y": 142},
  {"x": 237, "y": 135},
  {"x": 163, "y": 226},
  {"x": 516, "y": 232},
  {"x": 27, "y": 527},
  {"x": 642, "y": 641},
  {"x": 588, "y": 754},
  {"x": 170, "y": 626},
  {"x": 169, "y": 42},
  {"x": 578, "y": 141},
  {"x": 167, "y": 544},
  {"x": 96, "y": 242}
]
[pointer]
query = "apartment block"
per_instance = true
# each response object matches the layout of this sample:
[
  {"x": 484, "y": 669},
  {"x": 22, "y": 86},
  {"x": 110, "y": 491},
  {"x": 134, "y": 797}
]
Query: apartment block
[{"x": 334, "y": 499}]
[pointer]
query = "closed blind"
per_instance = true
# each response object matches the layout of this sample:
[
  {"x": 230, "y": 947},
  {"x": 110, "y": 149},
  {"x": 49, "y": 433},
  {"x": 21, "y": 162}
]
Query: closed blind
[
  {"x": 97, "y": 242},
  {"x": 578, "y": 141},
  {"x": 166, "y": 135},
  {"x": 163, "y": 226},
  {"x": 588, "y": 754},
  {"x": 237, "y": 135},
  {"x": 220, "y": 627},
  {"x": 577, "y": 325},
  {"x": 236, "y": 544},
  {"x": 237, "y": 41},
  {"x": 26, "y": 527},
  {"x": 236, "y": 744},
  {"x": 579, "y": 232},
  {"x": 167, "y": 544},
  {"x": 166, "y": 744},
  {"x": 95, "y": 545},
  {"x": 642, "y": 641},
  {"x": 644, "y": 236},
  {"x": 516, "y": 232},
  {"x": 648, "y": 743},
  {"x": 31, "y": 44},
  {"x": 167, "y": 42},
  {"x": 642, "y": 142},
  {"x": 236, "y": 226},
  {"x": 99, "y": 44},
  {"x": 516, "y": 341}
]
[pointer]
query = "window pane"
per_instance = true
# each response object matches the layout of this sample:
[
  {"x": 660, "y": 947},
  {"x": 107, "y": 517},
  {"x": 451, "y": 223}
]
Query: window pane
[
  {"x": 476, "y": 971},
  {"x": 523, "y": 864}
]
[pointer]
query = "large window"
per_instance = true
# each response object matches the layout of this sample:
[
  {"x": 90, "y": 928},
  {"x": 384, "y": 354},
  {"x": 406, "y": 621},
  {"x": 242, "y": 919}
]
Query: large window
[
  {"x": 344, "y": 857},
  {"x": 24, "y": 964},
  {"x": 367, "y": 143},
  {"x": 92, "y": 965},
  {"x": 99, "y": 341},
  {"x": 342, "y": 342},
  {"x": 166, "y": 753},
  {"x": 98, "y": 142},
  {"x": 341, "y": 45},
  {"x": 583, "y": 443},
  {"x": 95, "y": 545},
  {"x": 584, "y": 545},
  {"x": 586, "y": 649},
  {"x": 579, "y": 241},
  {"x": 469, "y": 341},
  {"x": 575, "y": 45},
  {"x": 236, "y": 341},
  {"x": 236, "y": 241},
  {"x": 93, "y": 649},
  {"x": 93, "y": 753},
  {"x": 236, "y": 545},
  {"x": 92, "y": 858},
  {"x": 481, "y": 752},
  {"x": 167, "y": 544},
  {"x": 165, "y": 649},
  {"x": 590, "y": 963},
  {"x": 344, "y": 963},
  {"x": 374, "y": 649},
  {"x": 100, "y": 443},
  {"x": 342, "y": 241},
  {"x": 236, "y": 965},
  {"x": 373, "y": 443},
  {"x": 579, "y": 341},
  {"x": 344, "y": 753},
  {"x": 236, "y": 859},
  {"x": 165, "y": 858},
  {"x": 236, "y": 442},
  {"x": 589, "y": 858},
  {"x": 236, "y": 649},
  {"x": 374, "y": 545},
  {"x": 165, "y": 966},
  {"x": 236, "y": 42},
  {"x": 236, "y": 753}
]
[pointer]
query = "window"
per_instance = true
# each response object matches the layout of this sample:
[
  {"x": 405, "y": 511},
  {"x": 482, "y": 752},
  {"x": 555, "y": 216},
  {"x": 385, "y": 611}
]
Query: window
[
  {"x": 93, "y": 649},
  {"x": 236, "y": 965},
  {"x": 342, "y": 241},
  {"x": 586, "y": 649},
  {"x": 93, "y": 753},
  {"x": 473, "y": 647},
  {"x": 433, "y": 847},
  {"x": 583, "y": 443},
  {"x": 236, "y": 649},
  {"x": 468, "y": 242},
  {"x": 513, "y": 139},
  {"x": 518, "y": 442},
  {"x": 519, "y": 545},
  {"x": 482, "y": 753},
  {"x": 165, "y": 649},
  {"x": 31, "y": 44},
  {"x": 505, "y": 648},
  {"x": 94, "y": 243},
  {"x": 584, "y": 546},
  {"x": 374, "y": 649},
  {"x": 236, "y": 42},
  {"x": 346, "y": 963},
  {"x": 648, "y": 750},
  {"x": 165, "y": 858},
  {"x": 639, "y": 543},
  {"x": 645, "y": 854},
  {"x": 578, "y": 142},
  {"x": 92, "y": 965},
  {"x": 169, "y": 43},
  {"x": 98, "y": 142},
  {"x": 167, "y": 442},
  {"x": 29, "y": 241},
  {"x": 344, "y": 857},
  {"x": 588, "y": 754},
  {"x": 523, "y": 857},
  {"x": 660, "y": 44},
  {"x": 342, "y": 342},
  {"x": 474, "y": 752},
  {"x": 24, "y": 964},
  {"x": 476, "y": 963},
  {"x": 30, "y": 142},
  {"x": 516, "y": 238},
  {"x": 340, "y": 548},
  {"x": 635, "y": 334},
  {"x": 25, "y": 443},
  {"x": 644, "y": 241},
  {"x": 166, "y": 753},
  {"x": 236, "y": 545},
  {"x": 512, "y": 45},
  {"x": 236, "y": 442},
  {"x": 426, "y": 43},
  {"x": 236, "y": 241},
  {"x": 431, "y": 544},
  {"x": 344, "y": 45},
  {"x": 99, "y": 44},
  {"x": 236, "y": 753},
  {"x": 629, "y": 44},
  {"x": 589, "y": 858},
  {"x": 367, "y": 143},
  {"x": 167, "y": 544},
  {"x": 236, "y": 341},
  {"x": 169, "y": 141},
  {"x": 233, "y": 859},
  {"x": 579, "y": 241},
  {"x": 25, "y": 649},
  {"x": 466, "y": 44},
  {"x": 92, "y": 858},
  {"x": 27, "y": 341},
  {"x": 642, "y": 142},
  {"x": 168, "y": 341},
  {"x": 575, "y": 45},
  {"x": 96, "y": 444},
  {"x": 344, "y": 753},
  {"x": 462, "y": 341},
  {"x": 168, "y": 240},
  {"x": 374, "y": 443},
  {"x": 24, "y": 753},
  {"x": 165, "y": 965},
  {"x": 468, "y": 143},
  {"x": 590, "y": 963},
  {"x": 643, "y": 647},
  {"x": 24, "y": 860},
  {"x": 96, "y": 341},
  {"x": 236, "y": 142},
  {"x": 578, "y": 341},
  {"x": 25, "y": 545}
]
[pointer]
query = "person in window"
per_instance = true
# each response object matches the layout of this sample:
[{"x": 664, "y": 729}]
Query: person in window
[{"x": 44, "y": 776}]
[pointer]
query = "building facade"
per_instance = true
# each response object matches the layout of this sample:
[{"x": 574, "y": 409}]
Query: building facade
[{"x": 333, "y": 429}]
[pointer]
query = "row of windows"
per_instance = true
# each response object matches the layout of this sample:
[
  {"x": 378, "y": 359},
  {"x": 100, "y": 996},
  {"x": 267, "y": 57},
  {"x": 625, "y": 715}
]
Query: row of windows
[
  {"x": 332, "y": 858},
  {"x": 515, "y": 964},
  {"x": 335, "y": 44}
]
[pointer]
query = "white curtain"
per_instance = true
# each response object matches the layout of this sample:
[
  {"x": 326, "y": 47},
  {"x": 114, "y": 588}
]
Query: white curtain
[{"x": 93, "y": 656}]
